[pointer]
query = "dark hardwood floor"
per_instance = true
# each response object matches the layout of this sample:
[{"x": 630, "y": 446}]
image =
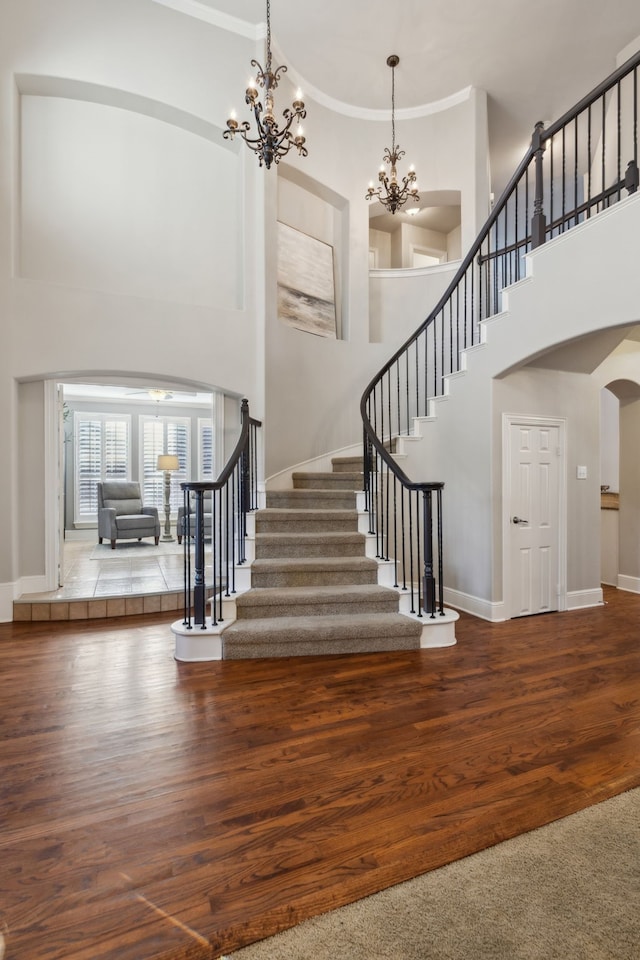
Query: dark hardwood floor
[{"x": 150, "y": 809}]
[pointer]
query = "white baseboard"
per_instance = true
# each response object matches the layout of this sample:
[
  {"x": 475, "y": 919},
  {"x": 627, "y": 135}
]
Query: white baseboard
[
  {"x": 34, "y": 585},
  {"x": 476, "y": 606},
  {"x": 11, "y": 591},
  {"x": 631, "y": 584},
  {"x": 8, "y": 593},
  {"x": 578, "y": 599}
]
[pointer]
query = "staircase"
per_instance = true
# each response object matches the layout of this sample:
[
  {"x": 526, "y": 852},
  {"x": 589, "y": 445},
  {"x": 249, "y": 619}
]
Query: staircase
[{"x": 313, "y": 589}]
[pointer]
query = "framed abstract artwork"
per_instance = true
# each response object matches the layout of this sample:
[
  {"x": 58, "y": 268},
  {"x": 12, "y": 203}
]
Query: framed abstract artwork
[{"x": 306, "y": 286}]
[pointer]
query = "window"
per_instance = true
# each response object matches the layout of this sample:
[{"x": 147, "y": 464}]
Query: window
[
  {"x": 163, "y": 435},
  {"x": 206, "y": 457},
  {"x": 102, "y": 452}
]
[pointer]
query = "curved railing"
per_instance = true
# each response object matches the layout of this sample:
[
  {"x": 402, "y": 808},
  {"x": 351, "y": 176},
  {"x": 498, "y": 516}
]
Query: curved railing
[
  {"x": 580, "y": 165},
  {"x": 210, "y": 578}
]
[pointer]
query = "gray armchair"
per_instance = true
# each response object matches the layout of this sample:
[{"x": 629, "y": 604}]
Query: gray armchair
[
  {"x": 181, "y": 526},
  {"x": 121, "y": 515}
]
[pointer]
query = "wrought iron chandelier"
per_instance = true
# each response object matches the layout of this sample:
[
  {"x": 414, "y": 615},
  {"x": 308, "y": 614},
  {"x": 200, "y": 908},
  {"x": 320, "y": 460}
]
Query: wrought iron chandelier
[
  {"x": 270, "y": 144},
  {"x": 390, "y": 192}
]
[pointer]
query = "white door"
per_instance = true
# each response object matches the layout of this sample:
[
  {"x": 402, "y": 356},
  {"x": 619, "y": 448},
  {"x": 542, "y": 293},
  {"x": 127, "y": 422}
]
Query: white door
[{"x": 534, "y": 468}]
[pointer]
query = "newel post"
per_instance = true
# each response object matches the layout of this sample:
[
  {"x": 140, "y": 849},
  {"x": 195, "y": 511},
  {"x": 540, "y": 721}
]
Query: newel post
[
  {"x": 429, "y": 581},
  {"x": 539, "y": 221}
]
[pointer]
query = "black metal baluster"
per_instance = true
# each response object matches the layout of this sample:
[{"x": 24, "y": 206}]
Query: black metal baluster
[
  {"x": 411, "y": 582},
  {"x": 186, "y": 556},
  {"x": 589, "y": 163},
  {"x": 603, "y": 175},
  {"x": 406, "y": 355},
  {"x": 395, "y": 530},
  {"x": 619, "y": 142},
  {"x": 398, "y": 395},
  {"x": 419, "y": 559}
]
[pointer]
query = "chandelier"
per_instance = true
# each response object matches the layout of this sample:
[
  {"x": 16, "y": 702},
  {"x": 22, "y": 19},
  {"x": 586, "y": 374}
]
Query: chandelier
[
  {"x": 270, "y": 144},
  {"x": 390, "y": 192}
]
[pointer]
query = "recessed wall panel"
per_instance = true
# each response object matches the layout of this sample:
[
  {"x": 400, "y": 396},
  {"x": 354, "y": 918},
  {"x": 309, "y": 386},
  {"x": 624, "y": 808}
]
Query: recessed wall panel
[{"x": 124, "y": 203}]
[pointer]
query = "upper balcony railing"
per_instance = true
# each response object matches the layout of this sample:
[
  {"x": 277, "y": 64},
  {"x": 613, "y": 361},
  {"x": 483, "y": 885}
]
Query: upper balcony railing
[
  {"x": 580, "y": 165},
  {"x": 210, "y": 576}
]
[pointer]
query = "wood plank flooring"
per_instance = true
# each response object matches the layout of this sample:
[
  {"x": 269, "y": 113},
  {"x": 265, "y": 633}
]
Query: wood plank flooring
[{"x": 151, "y": 810}]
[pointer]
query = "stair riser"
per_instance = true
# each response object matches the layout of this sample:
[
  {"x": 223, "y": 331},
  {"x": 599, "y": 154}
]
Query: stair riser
[
  {"x": 347, "y": 465},
  {"x": 314, "y": 648},
  {"x": 270, "y": 548},
  {"x": 348, "y": 607},
  {"x": 328, "y": 482},
  {"x": 320, "y": 578},
  {"x": 306, "y": 525},
  {"x": 312, "y": 500}
]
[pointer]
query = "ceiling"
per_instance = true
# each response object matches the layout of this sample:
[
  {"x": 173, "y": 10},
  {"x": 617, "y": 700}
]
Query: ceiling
[{"x": 534, "y": 59}]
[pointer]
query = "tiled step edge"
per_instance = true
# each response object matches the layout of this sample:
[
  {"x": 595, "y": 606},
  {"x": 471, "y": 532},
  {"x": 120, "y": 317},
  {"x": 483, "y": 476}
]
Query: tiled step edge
[{"x": 26, "y": 611}]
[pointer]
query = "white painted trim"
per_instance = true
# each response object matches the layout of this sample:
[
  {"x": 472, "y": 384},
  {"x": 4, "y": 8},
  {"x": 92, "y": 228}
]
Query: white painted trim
[
  {"x": 578, "y": 599},
  {"x": 368, "y": 113},
  {"x": 37, "y": 584},
  {"x": 398, "y": 273},
  {"x": 509, "y": 420},
  {"x": 51, "y": 491},
  {"x": 476, "y": 606},
  {"x": 571, "y": 234},
  {"x": 192, "y": 8},
  {"x": 322, "y": 464},
  {"x": 631, "y": 584},
  {"x": 8, "y": 593}
]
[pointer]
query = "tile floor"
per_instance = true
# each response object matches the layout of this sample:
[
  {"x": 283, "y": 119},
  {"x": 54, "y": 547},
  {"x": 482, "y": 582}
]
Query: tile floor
[{"x": 132, "y": 569}]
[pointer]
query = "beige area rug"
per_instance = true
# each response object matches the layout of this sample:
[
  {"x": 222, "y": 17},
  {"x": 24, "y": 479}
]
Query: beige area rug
[{"x": 567, "y": 891}]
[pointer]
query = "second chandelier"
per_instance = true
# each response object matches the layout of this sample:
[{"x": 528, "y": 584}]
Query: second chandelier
[{"x": 392, "y": 193}]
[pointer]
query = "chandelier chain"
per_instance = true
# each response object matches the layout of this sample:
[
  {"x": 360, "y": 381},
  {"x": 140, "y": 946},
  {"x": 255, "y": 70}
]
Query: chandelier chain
[
  {"x": 393, "y": 109},
  {"x": 268, "y": 70}
]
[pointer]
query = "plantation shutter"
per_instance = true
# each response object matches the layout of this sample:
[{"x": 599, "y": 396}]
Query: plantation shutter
[
  {"x": 163, "y": 435},
  {"x": 102, "y": 452},
  {"x": 205, "y": 449}
]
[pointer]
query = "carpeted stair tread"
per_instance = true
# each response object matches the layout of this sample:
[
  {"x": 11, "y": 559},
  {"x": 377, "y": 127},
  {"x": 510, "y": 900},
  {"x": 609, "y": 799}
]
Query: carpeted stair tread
[
  {"x": 316, "y": 601},
  {"x": 312, "y": 636}
]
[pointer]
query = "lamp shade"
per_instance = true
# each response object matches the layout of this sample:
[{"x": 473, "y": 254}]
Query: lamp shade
[{"x": 168, "y": 461}]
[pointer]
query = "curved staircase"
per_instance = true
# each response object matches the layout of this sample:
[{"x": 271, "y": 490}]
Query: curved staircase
[{"x": 313, "y": 588}]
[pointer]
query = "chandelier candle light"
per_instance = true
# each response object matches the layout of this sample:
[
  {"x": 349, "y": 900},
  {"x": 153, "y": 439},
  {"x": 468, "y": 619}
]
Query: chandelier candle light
[
  {"x": 390, "y": 193},
  {"x": 270, "y": 144}
]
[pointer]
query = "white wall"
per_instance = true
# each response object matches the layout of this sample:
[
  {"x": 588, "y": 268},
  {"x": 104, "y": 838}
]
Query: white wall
[
  {"x": 119, "y": 252},
  {"x": 314, "y": 384},
  {"x": 135, "y": 241},
  {"x": 609, "y": 440},
  {"x": 620, "y": 372},
  {"x": 583, "y": 282},
  {"x": 115, "y": 201}
]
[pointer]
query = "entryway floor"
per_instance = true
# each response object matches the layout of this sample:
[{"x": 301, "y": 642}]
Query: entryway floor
[{"x": 132, "y": 569}]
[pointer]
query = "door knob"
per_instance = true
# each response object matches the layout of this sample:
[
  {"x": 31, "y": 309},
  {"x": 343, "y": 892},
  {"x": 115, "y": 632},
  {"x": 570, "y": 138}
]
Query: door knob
[{"x": 519, "y": 520}]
